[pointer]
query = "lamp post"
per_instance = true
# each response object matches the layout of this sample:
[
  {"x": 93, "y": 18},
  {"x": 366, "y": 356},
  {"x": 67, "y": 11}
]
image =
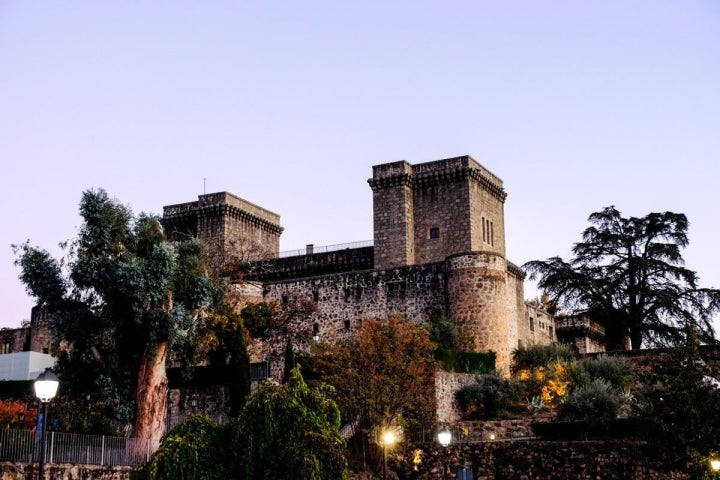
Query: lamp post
[
  {"x": 193, "y": 401},
  {"x": 388, "y": 438},
  {"x": 46, "y": 385},
  {"x": 444, "y": 437}
]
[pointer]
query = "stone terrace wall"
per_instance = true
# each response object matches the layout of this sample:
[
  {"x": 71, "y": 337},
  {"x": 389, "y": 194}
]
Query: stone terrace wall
[
  {"x": 539, "y": 460},
  {"x": 24, "y": 471}
]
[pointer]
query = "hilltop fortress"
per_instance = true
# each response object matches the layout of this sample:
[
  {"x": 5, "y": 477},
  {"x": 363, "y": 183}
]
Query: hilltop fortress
[{"x": 438, "y": 249}]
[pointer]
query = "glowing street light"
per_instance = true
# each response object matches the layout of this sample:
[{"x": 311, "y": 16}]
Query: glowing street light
[
  {"x": 46, "y": 385},
  {"x": 715, "y": 465},
  {"x": 388, "y": 439},
  {"x": 444, "y": 437}
]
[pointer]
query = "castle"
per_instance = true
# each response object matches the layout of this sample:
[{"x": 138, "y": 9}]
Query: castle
[{"x": 438, "y": 249}]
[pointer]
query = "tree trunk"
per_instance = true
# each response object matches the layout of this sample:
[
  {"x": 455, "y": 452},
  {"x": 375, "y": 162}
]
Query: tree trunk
[{"x": 151, "y": 395}]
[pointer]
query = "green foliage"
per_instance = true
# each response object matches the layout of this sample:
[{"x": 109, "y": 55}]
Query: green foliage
[
  {"x": 465, "y": 362},
  {"x": 595, "y": 402},
  {"x": 193, "y": 450},
  {"x": 489, "y": 395},
  {"x": 287, "y": 432},
  {"x": 533, "y": 356},
  {"x": 257, "y": 318},
  {"x": 121, "y": 292},
  {"x": 677, "y": 403},
  {"x": 628, "y": 274},
  {"x": 284, "y": 432},
  {"x": 444, "y": 332},
  {"x": 614, "y": 370}
]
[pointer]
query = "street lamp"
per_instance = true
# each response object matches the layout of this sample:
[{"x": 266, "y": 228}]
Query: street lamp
[
  {"x": 715, "y": 465},
  {"x": 193, "y": 401},
  {"x": 444, "y": 437},
  {"x": 46, "y": 385},
  {"x": 388, "y": 439}
]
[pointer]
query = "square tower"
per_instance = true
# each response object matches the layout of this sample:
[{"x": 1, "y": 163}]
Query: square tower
[
  {"x": 426, "y": 212},
  {"x": 233, "y": 225}
]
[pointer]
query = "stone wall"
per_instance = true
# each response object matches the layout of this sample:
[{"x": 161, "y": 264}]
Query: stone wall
[
  {"x": 24, "y": 471},
  {"x": 446, "y": 384},
  {"x": 539, "y": 326},
  {"x": 14, "y": 340},
  {"x": 539, "y": 460},
  {"x": 346, "y": 260}
]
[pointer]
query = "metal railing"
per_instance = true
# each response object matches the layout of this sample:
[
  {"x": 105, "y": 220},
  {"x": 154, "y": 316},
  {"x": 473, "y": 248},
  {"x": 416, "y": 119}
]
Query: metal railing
[
  {"x": 24, "y": 446},
  {"x": 325, "y": 248}
]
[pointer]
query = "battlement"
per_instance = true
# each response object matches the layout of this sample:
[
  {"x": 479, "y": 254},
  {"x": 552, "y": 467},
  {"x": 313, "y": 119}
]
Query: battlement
[
  {"x": 426, "y": 212},
  {"x": 311, "y": 264},
  {"x": 436, "y": 172},
  {"x": 233, "y": 224}
]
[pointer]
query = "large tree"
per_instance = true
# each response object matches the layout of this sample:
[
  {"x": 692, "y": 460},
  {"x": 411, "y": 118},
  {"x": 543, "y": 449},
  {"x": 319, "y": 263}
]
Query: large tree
[
  {"x": 628, "y": 274},
  {"x": 120, "y": 303},
  {"x": 384, "y": 375}
]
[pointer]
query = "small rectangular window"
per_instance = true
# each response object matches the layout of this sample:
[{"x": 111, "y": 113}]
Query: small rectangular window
[
  {"x": 6, "y": 347},
  {"x": 316, "y": 328},
  {"x": 346, "y": 324},
  {"x": 259, "y": 370},
  {"x": 532, "y": 324},
  {"x": 435, "y": 233}
]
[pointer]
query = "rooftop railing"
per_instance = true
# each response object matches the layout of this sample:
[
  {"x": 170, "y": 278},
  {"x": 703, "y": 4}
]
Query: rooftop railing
[{"x": 310, "y": 248}]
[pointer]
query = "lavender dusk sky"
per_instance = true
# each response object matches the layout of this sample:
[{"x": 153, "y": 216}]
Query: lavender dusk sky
[{"x": 575, "y": 105}]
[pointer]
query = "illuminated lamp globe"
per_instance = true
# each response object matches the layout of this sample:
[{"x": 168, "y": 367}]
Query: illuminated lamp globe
[
  {"x": 46, "y": 385},
  {"x": 444, "y": 436}
]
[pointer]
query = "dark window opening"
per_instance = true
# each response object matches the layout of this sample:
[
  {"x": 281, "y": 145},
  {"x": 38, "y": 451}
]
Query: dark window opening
[
  {"x": 316, "y": 328},
  {"x": 358, "y": 292},
  {"x": 396, "y": 290},
  {"x": 347, "y": 292},
  {"x": 434, "y": 233},
  {"x": 532, "y": 324},
  {"x": 259, "y": 370},
  {"x": 284, "y": 299},
  {"x": 315, "y": 295},
  {"x": 346, "y": 324}
]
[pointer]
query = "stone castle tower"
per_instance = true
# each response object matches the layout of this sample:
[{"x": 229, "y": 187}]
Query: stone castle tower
[
  {"x": 235, "y": 226},
  {"x": 452, "y": 211},
  {"x": 427, "y": 212}
]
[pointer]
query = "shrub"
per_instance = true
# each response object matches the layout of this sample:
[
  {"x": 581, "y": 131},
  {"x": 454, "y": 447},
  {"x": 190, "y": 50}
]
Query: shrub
[
  {"x": 192, "y": 450},
  {"x": 595, "y": 402},
  {"x": 465, "y": 362},
  {"x": 443, "y": 331},
  {"x": 534, "y": 356},
  {"x": 615, "y": 370},
  {"x": 489, "y": 395},
  {"x": 550, "y": 383}
]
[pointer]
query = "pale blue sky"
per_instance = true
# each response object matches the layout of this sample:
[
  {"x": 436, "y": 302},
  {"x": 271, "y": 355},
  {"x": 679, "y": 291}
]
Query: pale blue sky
[{"x": 575, "y": 105}]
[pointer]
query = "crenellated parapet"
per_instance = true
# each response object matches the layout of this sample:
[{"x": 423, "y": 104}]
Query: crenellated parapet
[
  {"x": 234, "y": 225},
  {"x": 426, "y": 212}
]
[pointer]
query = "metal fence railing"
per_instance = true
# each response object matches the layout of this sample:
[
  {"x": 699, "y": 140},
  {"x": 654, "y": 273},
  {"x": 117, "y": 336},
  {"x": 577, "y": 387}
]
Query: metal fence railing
[
  {"x": 24, "y": 446},
  {"x": 325, "y": 248}
]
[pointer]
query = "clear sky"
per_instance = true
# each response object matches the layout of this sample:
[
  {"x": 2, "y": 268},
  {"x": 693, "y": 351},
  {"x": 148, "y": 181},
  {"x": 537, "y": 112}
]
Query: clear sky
[{"x": 575, "y": 105}]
